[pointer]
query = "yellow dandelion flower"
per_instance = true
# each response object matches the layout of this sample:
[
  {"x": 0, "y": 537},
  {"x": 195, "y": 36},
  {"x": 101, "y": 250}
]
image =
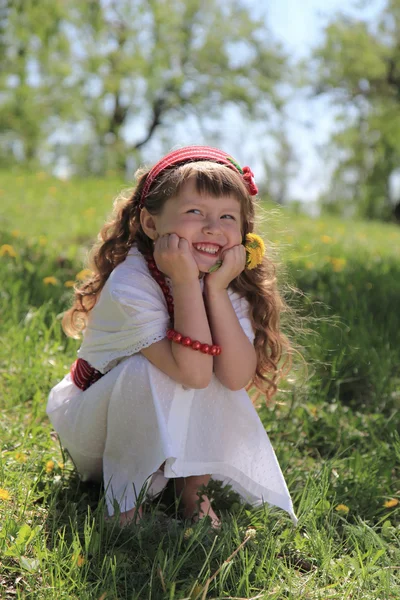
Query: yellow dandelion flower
[
  {"x": 391, "y": 503},
  {"x": 255, "y": 250},
  {"x": 2, "y": 192},
  {"x": 50, "y": 280},
  {"x": 7, "y": 249},
  {"x": 313, "y": 411},
  {"x": 69, "y": 283},
  {"x": 21, "y": 457},
  {"x": 80, "y": 559},
  {"x": 42, "y": 240},
  {"x": 41, "y": 175},
  {"x": 16, "y": 233},
  {"x": 309, "y": 264},
  {"x": 369, "y": 286},
  {"x": 60, "y": 465},
  {"x": 50, "y": 466},
  {"x": 84, "y": 274},
  {"x": 4, "y": 494},
  {"x": 188, "y": 533},
  {"x": 342, "y": 508},
  {"x": 89, "y": 212},
  {"x": 52, "y": 189},
  {"x": 338, "y": 264},
  {"x": 326, "y": 239}
]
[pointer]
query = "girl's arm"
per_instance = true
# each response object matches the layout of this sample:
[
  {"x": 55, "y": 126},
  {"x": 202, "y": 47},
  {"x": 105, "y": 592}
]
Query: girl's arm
[
  {"x": 236, "y": 364},
  {"x": 182, "y": 364}
]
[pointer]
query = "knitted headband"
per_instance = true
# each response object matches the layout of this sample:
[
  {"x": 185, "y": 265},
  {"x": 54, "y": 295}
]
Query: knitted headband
[{"x": 193, "y": 154}]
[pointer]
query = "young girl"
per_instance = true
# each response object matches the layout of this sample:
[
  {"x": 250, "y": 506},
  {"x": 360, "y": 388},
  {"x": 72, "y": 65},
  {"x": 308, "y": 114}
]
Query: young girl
[{"x": 177, "y": 319}]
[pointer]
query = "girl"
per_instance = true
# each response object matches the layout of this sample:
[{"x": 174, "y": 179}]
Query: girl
[{"x": 144, "y": 402}]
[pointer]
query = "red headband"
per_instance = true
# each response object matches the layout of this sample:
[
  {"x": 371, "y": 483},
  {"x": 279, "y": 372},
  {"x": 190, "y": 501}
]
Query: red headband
[{"x": 193, "y": 154}]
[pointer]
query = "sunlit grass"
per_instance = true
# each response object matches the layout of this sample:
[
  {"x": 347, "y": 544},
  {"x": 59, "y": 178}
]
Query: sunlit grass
[{"x": 335, "y": 432}]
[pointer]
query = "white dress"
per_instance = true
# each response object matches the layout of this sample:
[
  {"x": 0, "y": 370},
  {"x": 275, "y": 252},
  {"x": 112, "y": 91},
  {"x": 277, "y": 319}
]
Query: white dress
[{"x": 135, "y": 417}]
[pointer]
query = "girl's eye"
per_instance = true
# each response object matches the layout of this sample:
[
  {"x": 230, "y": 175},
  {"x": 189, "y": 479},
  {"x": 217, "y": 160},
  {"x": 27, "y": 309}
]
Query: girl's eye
[
  {"x": 228, "y": 216},
  {"x": 194, "y": 210}
]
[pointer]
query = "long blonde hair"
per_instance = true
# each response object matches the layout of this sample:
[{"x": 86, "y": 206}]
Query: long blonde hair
[{"x": 258, "y": 286}]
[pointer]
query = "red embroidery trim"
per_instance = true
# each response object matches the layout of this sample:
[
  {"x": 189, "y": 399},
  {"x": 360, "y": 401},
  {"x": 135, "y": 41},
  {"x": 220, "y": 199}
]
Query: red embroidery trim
[{"x": 83, "y": 374}]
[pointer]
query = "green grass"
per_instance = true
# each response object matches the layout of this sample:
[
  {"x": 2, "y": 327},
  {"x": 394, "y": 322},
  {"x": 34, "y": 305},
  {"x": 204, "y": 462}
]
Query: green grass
[{"x": 335, "y": 432}]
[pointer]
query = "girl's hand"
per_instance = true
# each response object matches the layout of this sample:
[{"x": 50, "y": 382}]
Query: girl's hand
[
  {"x": 233, "y": 263},
  {"x": 174, "y": 258}
]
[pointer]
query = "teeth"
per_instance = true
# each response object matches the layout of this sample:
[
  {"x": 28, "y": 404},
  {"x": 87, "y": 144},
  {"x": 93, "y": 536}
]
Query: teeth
[{"x": 206, "y": 249}]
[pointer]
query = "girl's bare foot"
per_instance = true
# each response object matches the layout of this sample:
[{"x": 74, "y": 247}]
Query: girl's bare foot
[
  {"x": 134, "y": 515},
  {"x": 195, "y": 506},
  {"x": 126, "y": 518},
  {"x": 205, "y": 509}
]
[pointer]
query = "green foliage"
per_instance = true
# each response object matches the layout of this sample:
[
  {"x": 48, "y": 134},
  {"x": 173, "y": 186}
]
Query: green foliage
[
  {"x": 88, "y": 71},
  {"x": 35, "y": 74},
  {"x": 335, "y": 433},
  {"x": 357, "y": 66}
]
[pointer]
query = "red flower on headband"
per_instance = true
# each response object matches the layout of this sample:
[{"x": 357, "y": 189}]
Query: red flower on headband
[{"x": 248, "y": 176}]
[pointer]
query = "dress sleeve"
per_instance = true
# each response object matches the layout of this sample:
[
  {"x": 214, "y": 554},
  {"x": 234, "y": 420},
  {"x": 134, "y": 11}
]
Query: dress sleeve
[
  {"x": 130, "y": 315},
  {"x": 143, "y": 304},
  {"x": 242, "y": 309}
]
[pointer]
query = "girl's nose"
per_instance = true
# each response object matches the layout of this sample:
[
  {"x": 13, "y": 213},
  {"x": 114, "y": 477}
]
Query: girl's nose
[{"x": 212, "y": 225}]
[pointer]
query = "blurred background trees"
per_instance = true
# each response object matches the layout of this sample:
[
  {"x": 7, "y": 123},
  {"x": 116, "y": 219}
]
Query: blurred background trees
[
  {"x": 358, "y": 66},
  {"x": 91, "y": 83},
  {"x": 88, "y": 87}
]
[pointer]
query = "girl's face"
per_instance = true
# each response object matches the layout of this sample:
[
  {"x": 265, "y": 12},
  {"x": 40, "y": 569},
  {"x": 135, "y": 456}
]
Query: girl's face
[{"x": 210, "y": 225}]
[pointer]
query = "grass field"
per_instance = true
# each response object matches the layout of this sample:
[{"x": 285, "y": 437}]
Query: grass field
[{"x": 335, "y": 428}]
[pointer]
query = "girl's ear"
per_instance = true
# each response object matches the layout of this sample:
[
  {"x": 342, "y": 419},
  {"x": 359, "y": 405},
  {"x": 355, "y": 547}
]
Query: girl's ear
[{"x": 148, "y": 224}]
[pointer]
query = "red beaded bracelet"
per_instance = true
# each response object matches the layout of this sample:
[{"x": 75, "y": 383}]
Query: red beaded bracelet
[{"x": 178, "y": 338}]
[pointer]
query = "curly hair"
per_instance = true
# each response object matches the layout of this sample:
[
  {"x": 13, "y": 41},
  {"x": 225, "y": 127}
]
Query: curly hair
[{"x": 258, "y": 286}]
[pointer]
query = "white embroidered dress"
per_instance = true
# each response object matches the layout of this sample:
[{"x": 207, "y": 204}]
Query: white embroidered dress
[{"x": 135, "y": 417}]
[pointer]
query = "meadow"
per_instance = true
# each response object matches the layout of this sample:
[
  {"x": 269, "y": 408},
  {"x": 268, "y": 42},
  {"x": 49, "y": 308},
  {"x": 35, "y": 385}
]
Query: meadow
[{"x": 335, "y": 425}]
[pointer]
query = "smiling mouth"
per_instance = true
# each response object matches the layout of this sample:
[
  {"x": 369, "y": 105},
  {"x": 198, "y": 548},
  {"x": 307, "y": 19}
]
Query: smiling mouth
[{"x": 207, "y": 249}]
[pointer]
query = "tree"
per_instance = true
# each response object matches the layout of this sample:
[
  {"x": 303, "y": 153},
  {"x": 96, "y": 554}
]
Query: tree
[
  {"x": 35, "y": 64},
  {"x": 358, "y": 65},
  {"x": 133, "y": 68}
]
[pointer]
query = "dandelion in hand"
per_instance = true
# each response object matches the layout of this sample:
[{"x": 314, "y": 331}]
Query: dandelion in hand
[{"x": 255, "y": 250}]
